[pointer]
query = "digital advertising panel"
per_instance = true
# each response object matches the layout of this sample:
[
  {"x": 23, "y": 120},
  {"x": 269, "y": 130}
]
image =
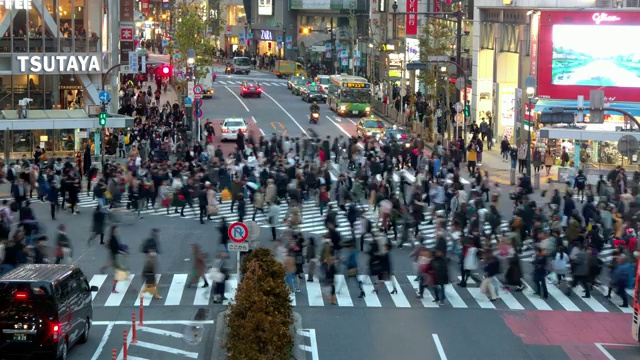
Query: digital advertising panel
[
  {"x": 265, "y": 7},
  {"x": 580, "y": 51}
]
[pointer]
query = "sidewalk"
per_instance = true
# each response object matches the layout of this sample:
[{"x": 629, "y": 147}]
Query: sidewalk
[{"x": 499, "y": 171}]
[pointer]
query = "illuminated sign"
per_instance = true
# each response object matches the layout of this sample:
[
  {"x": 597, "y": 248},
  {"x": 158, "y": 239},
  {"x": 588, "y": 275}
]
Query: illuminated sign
[
  {"x": 265, "y": 7},
  {"x": 357, "y": 85},
  {"x": 57, "y": 63},
  {"x": 16, "y": 4},
  {"x": 266, "y": 35},
  {"x": 604, "y": 17}
]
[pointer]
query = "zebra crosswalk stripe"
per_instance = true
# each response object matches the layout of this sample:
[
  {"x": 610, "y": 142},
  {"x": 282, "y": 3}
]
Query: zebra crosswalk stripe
[{"x": 173, "y": 287}]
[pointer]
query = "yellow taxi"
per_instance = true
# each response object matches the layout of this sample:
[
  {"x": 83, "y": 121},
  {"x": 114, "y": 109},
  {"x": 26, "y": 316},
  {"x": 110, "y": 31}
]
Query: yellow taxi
[{"x": 370, "y": 127}]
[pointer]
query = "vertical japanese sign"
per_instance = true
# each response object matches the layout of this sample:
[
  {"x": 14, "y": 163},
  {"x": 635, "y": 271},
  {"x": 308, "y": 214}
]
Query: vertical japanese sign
[
  {"x": 533, "y": 44},
  {"x": 145, "y": 7},
  {"x": 126, "y": 10},
  {"x": 126, "y": 29},
  {"x": 412, "y": 19},
  {"x": 436, "y": 6}
]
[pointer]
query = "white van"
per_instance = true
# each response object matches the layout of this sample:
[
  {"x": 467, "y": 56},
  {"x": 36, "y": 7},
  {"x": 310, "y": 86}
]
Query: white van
[
  {"x": 241, "y": 64},
  {"x": 206, "y": 82}
]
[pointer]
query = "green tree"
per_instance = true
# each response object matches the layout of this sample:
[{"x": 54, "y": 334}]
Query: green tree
[
  {"x": 437, "y": 38},
  {"x": 195, "y": 28},
  {"x": 260, "y": 322}
]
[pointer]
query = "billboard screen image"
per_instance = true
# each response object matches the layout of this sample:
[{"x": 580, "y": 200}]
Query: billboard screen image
[{"x": 595, "y": 55}]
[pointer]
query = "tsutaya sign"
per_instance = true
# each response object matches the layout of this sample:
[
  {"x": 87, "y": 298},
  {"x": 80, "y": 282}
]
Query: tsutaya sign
[
  {"x": 16, "y": 4},
  {"x": 604, "y": 17},
  {"x": 57, "y": 64}
]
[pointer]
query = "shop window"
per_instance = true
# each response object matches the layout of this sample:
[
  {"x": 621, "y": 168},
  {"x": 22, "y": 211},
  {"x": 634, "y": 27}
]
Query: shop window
[
  {"x": 44, "y": 138},
  {"x": 487, "y": 36},
  {"x": 2, "y": 142},
  {"x": 510, "y": 38},
  {"x": 64, "y": 140},
  {"x": 6, "y": 102},
  {"x": 22, "y": 141}
]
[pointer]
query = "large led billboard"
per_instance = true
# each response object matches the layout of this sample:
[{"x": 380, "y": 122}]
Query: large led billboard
[{"x": 586, "y": 50}]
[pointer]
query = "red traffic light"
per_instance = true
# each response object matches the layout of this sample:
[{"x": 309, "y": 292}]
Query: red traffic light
[
  {"x": 166, "y": 70},
  {"x": 269, "y": 45}
]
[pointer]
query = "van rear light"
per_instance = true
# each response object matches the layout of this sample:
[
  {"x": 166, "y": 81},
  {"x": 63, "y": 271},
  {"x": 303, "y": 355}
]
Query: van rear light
[
  {"x": 55, "y": 331},
  {"x": 21, "y": 295},
  {"x": 225, "y": 130}
]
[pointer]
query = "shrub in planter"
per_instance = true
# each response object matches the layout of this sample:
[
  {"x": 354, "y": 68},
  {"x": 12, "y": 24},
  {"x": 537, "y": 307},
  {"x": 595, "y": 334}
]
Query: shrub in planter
[{"x": 259, "y": 323}]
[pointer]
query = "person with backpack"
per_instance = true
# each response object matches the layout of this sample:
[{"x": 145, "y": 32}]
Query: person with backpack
[{"x": 579, "y": 183}]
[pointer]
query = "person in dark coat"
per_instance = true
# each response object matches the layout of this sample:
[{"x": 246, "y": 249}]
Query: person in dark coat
[
  {"x": 86, "y": 166},
  {"x": 98, "y": 225},
  {"x": 441, "y": 276},
  {"x": 513, "y": 276}
]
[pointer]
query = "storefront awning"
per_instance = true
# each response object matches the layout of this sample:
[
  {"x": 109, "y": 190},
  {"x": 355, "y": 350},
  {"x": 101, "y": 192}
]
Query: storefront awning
[
  {"x": 632, "y": 108},
  {"x": 594, "y": 132}
]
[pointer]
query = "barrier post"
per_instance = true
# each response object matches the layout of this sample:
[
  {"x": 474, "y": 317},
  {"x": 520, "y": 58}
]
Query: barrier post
[
  {"x": 124, "y": 345},
  {"x": 133, "y": 328},
  {"x": 114, "y": 354},
  {"x": 141, "y": 323}
]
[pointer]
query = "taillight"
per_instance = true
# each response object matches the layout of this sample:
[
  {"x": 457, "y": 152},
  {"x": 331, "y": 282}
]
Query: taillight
[
  {"x": 55, "y": 331},
  {"x": 259, "y": 89},
  {"x": 225, "y": 130},
  {"x": 21, "y": 296}
]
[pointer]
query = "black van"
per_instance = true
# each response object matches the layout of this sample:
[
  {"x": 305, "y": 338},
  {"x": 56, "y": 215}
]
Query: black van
[{"x": 44, "y": 309}]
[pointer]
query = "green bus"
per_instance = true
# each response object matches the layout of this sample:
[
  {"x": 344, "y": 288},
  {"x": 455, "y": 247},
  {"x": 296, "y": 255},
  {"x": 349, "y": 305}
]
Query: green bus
[{"x": 349, "y": 95}]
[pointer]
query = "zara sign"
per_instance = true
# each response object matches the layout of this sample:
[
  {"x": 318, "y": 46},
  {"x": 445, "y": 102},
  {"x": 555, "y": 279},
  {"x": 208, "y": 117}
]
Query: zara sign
[
  {"x": 57, "y": 64},
  {"x": 266, "y": 35}
]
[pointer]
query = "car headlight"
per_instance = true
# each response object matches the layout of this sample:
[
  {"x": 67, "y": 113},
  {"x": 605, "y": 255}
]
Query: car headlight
[
  {"x": 367, "y": 109},
  {"x": 343, "y": 108}
]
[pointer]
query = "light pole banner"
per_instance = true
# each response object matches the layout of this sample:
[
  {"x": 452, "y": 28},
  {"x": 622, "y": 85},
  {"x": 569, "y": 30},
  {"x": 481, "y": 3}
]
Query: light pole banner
[{"x": 411, "y": 27}]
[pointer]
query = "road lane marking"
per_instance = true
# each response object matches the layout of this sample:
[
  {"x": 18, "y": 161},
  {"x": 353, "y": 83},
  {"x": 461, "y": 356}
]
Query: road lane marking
[
  {"x": 591, "y": 302},
  {"x": 279, "y": 129},
  {"x": 436, "y": 340},
  {"x": 286, "y": 112},
  {"x": 337, "y": 125},
  {"x": 154, "y": 322},
  {"x": 167, "y": 349},
  {"x": 452, "y": 296},
  {"x": 480, "y": 298},
  {"x": 314, "y": 292},
  {"x": 561, "y": 298},
  {"x": 97, "y": 280},
  {"x": 115, "y": 299},
  {"x": 103, "y": 341},
  {"x": 160, "y": 332},
  {"x": 313, "y": 348},
  {"x": 176, "y": 289},
  {"x": 238, "y": 97},
  {"x": 256, "y": 122}
]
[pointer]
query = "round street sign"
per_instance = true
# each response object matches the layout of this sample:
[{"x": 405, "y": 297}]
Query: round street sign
[
  {"x": 628, "y": 145},
  {"x": 458, "y": 107},
  {"x": 187, "y": 101},
  {"x": 238, "y": 232},
  {"x": 254, "y": 230},
  {"x": 197, "y": 89},
  {"x": 403, "y": 92},
  {"x": 460, "y": 85},
  {"x": 197, "y": 113},
  {"x": 197, "y": 102}
]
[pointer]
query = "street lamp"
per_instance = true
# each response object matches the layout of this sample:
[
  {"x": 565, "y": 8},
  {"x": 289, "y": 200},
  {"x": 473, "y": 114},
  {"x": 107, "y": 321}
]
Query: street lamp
[
  {"x": 191, "y": 59},
  {"x": 395, "y": 10},
  {"x": 530, "y": 85}
]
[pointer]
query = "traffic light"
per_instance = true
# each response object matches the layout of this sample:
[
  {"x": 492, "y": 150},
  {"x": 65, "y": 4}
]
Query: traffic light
[
  {"x": 269, "y": 45},
  {"x": 102, "y": 119},
  {"x": 467, "y": 111},
  {"x": 305, "y": 31},
  {"x": 557, "y": 115}
]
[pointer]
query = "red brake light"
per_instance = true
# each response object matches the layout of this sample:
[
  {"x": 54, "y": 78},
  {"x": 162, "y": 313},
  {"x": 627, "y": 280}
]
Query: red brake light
[
  {"x": 55, "y": 331},
  {"x": 56, "y": 328},
  {"x": 21, "y": 296},
  {"x": 225, "y": 130}
]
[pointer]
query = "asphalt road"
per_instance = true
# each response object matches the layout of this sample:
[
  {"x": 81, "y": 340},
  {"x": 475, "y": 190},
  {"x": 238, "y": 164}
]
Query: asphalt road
[{"x": 379, "y": 326}]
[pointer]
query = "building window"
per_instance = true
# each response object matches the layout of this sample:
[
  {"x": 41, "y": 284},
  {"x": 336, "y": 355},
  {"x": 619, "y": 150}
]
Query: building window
[{"x": 236, "y": 15}]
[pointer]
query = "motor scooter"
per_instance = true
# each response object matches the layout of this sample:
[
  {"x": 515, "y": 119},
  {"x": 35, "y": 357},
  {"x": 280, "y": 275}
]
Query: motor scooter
[{"x": 314, "y": 117}]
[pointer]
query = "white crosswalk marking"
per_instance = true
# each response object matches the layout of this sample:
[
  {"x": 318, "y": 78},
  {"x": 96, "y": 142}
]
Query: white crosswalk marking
[
  {"x": 203, "y": 294},
  {"x": 370, "y": 297},
  {"x": 314, "y": 292},
  {"x": 561, "y": 298},
  {"x": 97, "y": 280},
  {"x": 178, "y": 283},
  {"x": 174, "y": 289},
  {"x": 427, "y": 300},
  {"x": 591, "y": 302},
  {"x": 342, "y": 291},
  {"x": 146, "y": 297},
  {"x": 115, "y": 299},
  {"x": 230, "y": 289}
]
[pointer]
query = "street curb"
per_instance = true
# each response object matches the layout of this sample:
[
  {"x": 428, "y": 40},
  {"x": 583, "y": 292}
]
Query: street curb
[{"x": 220, "y": 334}]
